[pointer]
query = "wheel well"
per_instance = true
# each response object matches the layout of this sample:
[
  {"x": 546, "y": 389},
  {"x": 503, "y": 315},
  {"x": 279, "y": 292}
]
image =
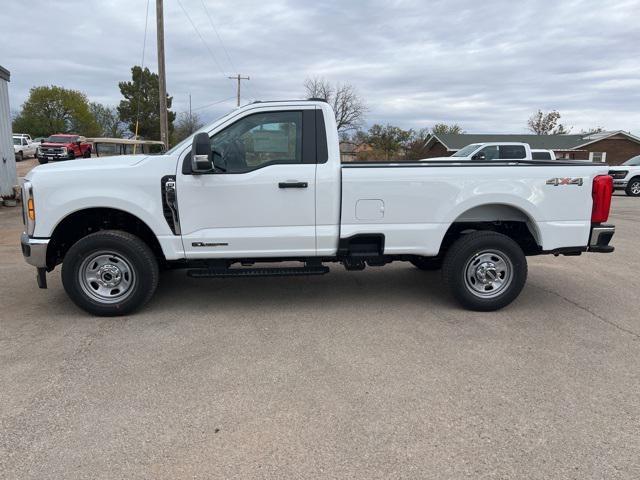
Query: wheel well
[
  {"x": 500, "y": 218},
  {"x": 84, "y": 222}
]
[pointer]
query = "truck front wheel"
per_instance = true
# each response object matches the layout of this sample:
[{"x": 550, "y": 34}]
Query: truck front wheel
[
  {"x": 110, "y": 273},
  {"x": 485, "y": 270}
]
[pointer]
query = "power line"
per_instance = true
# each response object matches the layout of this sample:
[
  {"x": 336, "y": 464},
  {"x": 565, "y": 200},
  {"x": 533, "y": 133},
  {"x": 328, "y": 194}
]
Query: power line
[
  {"x": 224, "y": 48},
  {"x": 202, "y": 107},
  {"x": 202, "y": 39},
  {"x": 206, "y": 10},
  {"x": 144, "y": 47}
]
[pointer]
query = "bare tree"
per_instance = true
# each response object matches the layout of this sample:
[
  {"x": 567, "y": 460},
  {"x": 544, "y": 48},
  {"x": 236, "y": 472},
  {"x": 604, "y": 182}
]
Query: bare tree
[
  {"x": 347, "y": 104},
  {"x": 186, "y": 125},
  {"x": 542, "y": 123}
]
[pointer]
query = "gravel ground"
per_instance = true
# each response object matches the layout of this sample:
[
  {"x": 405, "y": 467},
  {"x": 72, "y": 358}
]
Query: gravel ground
[{"x": 373, "y": 374}]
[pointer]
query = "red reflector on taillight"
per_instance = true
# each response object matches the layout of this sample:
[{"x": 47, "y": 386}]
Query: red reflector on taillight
[{"x": 601, "y": 193}]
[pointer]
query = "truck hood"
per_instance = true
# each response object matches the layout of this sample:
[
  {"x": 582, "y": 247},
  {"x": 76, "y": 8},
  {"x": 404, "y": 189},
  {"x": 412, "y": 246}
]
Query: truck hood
[{"x": 90, "y": 165}]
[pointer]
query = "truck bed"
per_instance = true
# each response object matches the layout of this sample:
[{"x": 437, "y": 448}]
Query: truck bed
[{"x": 413, "y": 204}]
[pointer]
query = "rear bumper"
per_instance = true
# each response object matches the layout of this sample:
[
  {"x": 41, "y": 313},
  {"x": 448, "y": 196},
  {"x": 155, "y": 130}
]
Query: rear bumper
[
  {"x": 601, "y": 235},
  {"x": 34, "y": 250}
]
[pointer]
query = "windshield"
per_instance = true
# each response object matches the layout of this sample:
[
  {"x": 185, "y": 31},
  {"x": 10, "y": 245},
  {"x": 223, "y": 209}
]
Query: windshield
[
  {"x": 635, "y": 161},
  {"x": 17, "y": 141},
  {"x": 466, "y": 151},
  {"x": 61, "y": 139}
]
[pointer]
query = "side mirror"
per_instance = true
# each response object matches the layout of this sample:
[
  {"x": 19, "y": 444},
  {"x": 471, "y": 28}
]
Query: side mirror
[
  {"x": 201, "y": 155},
  {"x": 479, "y": 156}
]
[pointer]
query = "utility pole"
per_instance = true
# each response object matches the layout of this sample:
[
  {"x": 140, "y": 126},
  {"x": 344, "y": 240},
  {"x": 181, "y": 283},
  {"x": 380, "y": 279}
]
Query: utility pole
[
  {"x": 238, "y": 78},
  {"x": 162, "y": 81}
]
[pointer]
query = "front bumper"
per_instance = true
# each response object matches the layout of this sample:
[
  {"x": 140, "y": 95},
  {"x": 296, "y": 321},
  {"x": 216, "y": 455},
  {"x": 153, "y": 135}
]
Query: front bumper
[
  {"x": 34, "y": 250},
  {"x": 53, "y": 156},
  {"x": 600, "y": 237},
  {"x": 620, "y": 184}
]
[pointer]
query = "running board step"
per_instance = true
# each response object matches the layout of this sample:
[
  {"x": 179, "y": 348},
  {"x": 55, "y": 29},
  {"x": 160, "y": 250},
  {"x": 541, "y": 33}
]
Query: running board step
[{"x": 257, "y": 272}]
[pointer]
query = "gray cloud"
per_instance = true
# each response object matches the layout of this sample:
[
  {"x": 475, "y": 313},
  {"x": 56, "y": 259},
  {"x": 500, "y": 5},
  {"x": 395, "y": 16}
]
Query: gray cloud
[{"x": 486, "y": 65}]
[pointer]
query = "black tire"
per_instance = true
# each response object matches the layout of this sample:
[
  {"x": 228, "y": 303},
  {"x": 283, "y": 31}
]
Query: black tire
[
  {"x": 427, "y": 263},
  {"x": 125, "y": 253},
  {"x": 87, "y": 153},
  {"x": 479, "y": 257},
  {"x": 42, "y": 160},
  {"x": 19, "y": 156},
  {"x": 633, "y": 187},
  {"x": 71, "y": 156}
]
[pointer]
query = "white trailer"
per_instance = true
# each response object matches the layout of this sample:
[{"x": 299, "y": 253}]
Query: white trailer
[{"x": 8, "y": 177}]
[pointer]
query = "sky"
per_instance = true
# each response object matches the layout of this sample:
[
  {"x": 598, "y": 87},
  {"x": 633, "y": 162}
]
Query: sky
[{"x": 486, "y": 65}]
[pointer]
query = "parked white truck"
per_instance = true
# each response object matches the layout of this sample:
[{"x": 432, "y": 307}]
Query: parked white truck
[
  {"x": 265, "y": 184},
  {"x": 23, "y": 147},
  {"x": 627, "y": 177}
]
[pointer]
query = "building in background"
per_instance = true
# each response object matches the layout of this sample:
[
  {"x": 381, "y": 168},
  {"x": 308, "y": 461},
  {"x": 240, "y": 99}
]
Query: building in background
[
  {"x": 8, "y": 177},
  {"x": 613, "y": 147}
]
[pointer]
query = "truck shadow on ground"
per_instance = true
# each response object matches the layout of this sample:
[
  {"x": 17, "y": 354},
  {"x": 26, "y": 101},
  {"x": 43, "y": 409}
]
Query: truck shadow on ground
[{"x": 390, "y": 285}]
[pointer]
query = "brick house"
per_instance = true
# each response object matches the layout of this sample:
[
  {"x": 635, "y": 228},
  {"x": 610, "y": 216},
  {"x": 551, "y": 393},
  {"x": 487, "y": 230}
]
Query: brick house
[{"x": 612, "y": 147}]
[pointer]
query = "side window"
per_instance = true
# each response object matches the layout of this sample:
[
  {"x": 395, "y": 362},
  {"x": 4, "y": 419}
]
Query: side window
[
  {"x": 510, "y": 152},
  {"x": 490, "y": 152},
  {"x": 541, "y": 155},
  {"x": 259, "y": 140}
]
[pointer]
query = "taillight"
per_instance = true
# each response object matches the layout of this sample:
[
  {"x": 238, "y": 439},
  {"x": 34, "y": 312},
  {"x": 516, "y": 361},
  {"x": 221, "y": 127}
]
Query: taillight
[{"x": 601, "y": 193}]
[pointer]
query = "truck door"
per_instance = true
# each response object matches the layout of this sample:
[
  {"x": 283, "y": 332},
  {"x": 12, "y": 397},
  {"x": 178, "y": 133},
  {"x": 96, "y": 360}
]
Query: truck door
[{"x": 260, "y": 200}]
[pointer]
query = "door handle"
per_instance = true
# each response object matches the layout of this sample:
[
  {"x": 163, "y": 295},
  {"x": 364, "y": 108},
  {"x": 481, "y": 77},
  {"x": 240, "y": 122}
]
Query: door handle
[{"x": 293, "y": 185}]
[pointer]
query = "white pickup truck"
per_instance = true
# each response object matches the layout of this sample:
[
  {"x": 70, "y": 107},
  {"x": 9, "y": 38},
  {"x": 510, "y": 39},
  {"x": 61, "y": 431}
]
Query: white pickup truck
[
  {"x": 627, "y": 177},
  {"x": 265, "y": 184},
  {"x": 23, "y": 147}
]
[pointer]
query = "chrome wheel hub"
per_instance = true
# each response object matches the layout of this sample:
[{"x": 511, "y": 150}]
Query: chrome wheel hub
[
  {"x": 635, "y": 188},
  {"x": 488, "y": 273},
  {"x": 107, "y": 277}
]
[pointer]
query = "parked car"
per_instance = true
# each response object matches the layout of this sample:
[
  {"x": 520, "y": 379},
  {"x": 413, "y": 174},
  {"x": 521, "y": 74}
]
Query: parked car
[
  {"x": 489, "y": 151},
  {"x": 265, "y": 184},
  {"x": 63, "y": 146},
  {"x": 23, "y": 147},
  {"x": 627, "y": 176},
  {"x": 542, "y": 154}
]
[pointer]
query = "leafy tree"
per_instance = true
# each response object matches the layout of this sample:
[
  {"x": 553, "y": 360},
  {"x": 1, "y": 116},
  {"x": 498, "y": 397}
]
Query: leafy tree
[
  {"x": 141, "y": 97},
  {"x": 444, "y": 128},
  {"x": 53, "y": 109},
  {"x": 187, "y": 124},
  {"x": 108, "y": 120},
  {"x": 347, "y": 104},
  {"x": 542, "y": 123},
  {"x": 416, "y": 147},
  {"x": 388, "y": 140}
]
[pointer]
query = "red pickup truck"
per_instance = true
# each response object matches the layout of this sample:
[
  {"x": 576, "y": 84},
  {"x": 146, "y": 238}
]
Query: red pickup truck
[{"x": 63, "y": 146}]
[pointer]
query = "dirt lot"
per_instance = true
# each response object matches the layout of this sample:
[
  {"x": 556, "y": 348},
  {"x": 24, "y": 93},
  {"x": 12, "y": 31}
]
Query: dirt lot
[{"x": 373, "y": 374}]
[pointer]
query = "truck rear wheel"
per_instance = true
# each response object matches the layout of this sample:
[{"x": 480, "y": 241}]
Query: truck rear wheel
[
  {"x": 110, "y": 273},
  {"x": 87, "y": 153},
  {"x": 633, "y": 188},
  {"x": 485, "y": 270}
]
